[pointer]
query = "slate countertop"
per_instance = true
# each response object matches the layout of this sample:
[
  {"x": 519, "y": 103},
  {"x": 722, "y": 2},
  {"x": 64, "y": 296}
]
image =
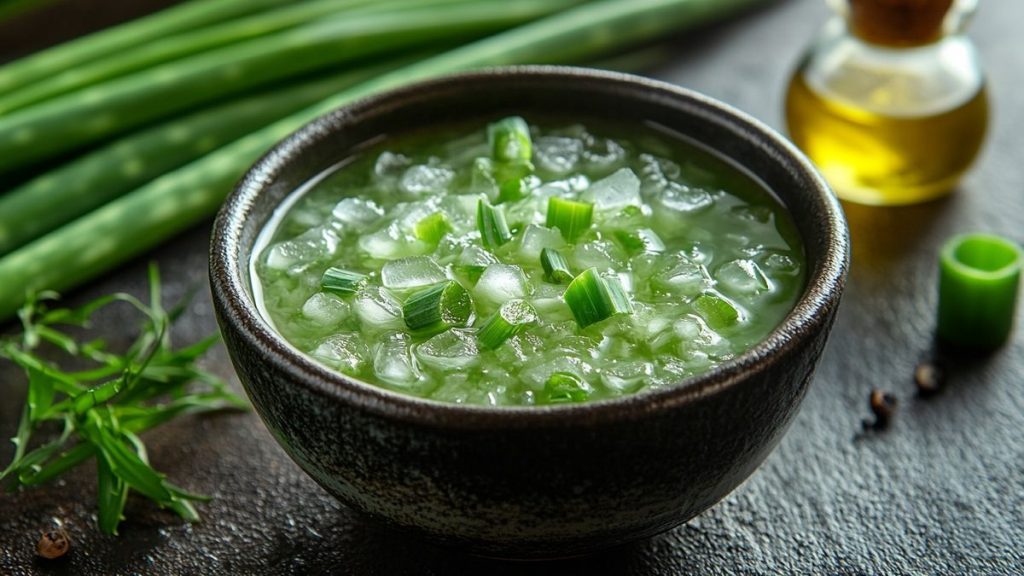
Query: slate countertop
[{"x": 939, "y": 491}]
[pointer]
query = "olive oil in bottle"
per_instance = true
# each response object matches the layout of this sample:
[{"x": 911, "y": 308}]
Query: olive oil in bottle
[{"x": 890, "y": 102}]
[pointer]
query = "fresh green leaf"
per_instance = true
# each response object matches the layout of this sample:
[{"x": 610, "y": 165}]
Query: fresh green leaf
[
  {"x": 57, "y": 466},
  {"x": 40, "y": 394},
  {"x": 105, "y": 406},
  {"x": 111, "y": 495}
]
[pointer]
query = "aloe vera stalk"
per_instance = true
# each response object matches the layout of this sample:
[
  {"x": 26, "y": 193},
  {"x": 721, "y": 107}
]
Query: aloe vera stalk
[
  {"x": 187, "y": 16},
  {"x": 61, "y": 195},
  {"x": 170, "y": 48},
  {"x": 78, "y": 118},
  {"x": 172, "y": 203},
  {"x": 185, "y": 44}
]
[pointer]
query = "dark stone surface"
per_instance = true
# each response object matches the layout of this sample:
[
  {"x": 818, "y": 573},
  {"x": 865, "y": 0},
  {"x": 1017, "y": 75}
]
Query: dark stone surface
[{"x": 940, "y": 491}]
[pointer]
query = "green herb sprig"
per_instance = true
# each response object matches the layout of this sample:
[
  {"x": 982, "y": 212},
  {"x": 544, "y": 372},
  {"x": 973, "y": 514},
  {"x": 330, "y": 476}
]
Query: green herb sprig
[{"x": 101, "y": 409}]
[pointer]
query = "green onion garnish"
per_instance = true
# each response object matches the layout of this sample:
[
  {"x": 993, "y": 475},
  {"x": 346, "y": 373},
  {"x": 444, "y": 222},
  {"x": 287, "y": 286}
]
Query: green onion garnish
[
  {"x": 592, "y": 298},
  {"x": 439, "y": 307},
  {"x": 631, "y": 212},
  {"x": 563, "y": 387},
  {"x": 569, "y": 216},
  {"x": 556, "y": 269},
  {"x": 509, "y": 139},
  {"x": 471, "y": 272},
  {"x": 642, "y": 240},
  {"x": 511, "y": 318},
  {"x": 494, "y": 230},
  {"x": 512, "y": 190},
  {"x": 432, "y": 228},
  {"x": 511, "y": 180},
  {"x": 716, "y": 310},
  {"x": 341, "y": 282}
]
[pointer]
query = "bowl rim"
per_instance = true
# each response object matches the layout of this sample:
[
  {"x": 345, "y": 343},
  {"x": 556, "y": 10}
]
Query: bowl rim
[{"x": 821, "y": 296}]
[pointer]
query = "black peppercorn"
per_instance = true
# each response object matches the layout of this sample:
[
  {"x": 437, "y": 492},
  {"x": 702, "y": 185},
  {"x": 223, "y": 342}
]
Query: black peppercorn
[
  {"x": 53, "y": 544},
  {"x": 928, "y": 378},
  {"x": 883, "y": 406}
]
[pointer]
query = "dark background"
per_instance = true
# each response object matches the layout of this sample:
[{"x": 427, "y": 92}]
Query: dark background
[{"x": 939, "y": 491}]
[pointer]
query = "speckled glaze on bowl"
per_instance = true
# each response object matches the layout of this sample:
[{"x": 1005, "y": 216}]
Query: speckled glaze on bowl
[{"x": 530, "y": 482}]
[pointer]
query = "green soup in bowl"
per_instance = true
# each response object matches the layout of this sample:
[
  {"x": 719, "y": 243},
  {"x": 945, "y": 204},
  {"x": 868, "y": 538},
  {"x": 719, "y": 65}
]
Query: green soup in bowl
[{"x": 529, "y": 262}]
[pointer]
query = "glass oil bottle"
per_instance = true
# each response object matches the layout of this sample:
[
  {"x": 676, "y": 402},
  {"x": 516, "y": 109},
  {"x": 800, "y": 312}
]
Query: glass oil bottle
[{"x": 890, "y": 101}]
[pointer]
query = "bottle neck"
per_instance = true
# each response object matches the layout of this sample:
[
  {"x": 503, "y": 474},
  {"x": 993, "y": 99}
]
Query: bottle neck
[{"x": 898, "y": 23}]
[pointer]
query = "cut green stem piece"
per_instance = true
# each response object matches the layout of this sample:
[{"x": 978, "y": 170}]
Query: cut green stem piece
[
  {"x": 511, "y": 180},
  {"x": 716, "y": 310},
  {"x": 341, "y": 282},
  {"x": 509, "y": 139},
  {"x": 571, "y": 217},
  {"x": 494, "y": 230},
  {"x": 564, "y": 387},
  {"x": 642, "y": 240},
  {"x": 508, "y": 321},
  {"x": 439, "y": 307},
  {"x": 186, "y": 17},
  {"x": 592, "y": 298},
  {"x": 512, "y": 190},
  {"x": 471, "y": 272},
  {"x": 979, "y": 275},
  {"x": 556, "y": 269},
  {"x": 432, "y": 228},
  {"x": 89, "y": 181}
]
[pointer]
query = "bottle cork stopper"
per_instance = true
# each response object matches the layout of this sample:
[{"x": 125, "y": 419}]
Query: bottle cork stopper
[{"x": 898, "y": 22}]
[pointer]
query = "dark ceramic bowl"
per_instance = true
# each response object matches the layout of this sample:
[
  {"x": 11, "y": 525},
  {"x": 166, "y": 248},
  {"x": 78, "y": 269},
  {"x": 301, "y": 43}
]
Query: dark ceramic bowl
[{"x": 530, "y": 481}]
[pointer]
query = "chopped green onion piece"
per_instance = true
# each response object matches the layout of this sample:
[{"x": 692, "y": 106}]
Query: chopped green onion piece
[
  {"x": 439, "y": 307},
  {"x": 569, "y": 216},
  {"x": 617, "y": 295},
  {"x": 471, "y": 272},
  {"x": 716, "y": 310},
  {"x": 631, "y": 212},
  {"x": 556, "y": 269},
  {"x": 512, "y": 180},
  {"x": 979, "y": 276},
  {"x": 509, "y": 139},
  {"x": 512, "y": 190},
  {"x": 642, "y": 240},
  {"x": 564, "y": 387},
  {"x": 494, "y": 230},
  {"x": 432, "y": 228},
  {"x": 512, "y": 171},
  {"x": 592, "y": 298},
  {"x": 341, "y": 282},
  {"x": 508, "y": 321}
]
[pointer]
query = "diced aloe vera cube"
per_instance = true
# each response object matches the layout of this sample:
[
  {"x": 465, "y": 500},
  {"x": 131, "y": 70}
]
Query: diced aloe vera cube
[{"x": 411, "y": 272}]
